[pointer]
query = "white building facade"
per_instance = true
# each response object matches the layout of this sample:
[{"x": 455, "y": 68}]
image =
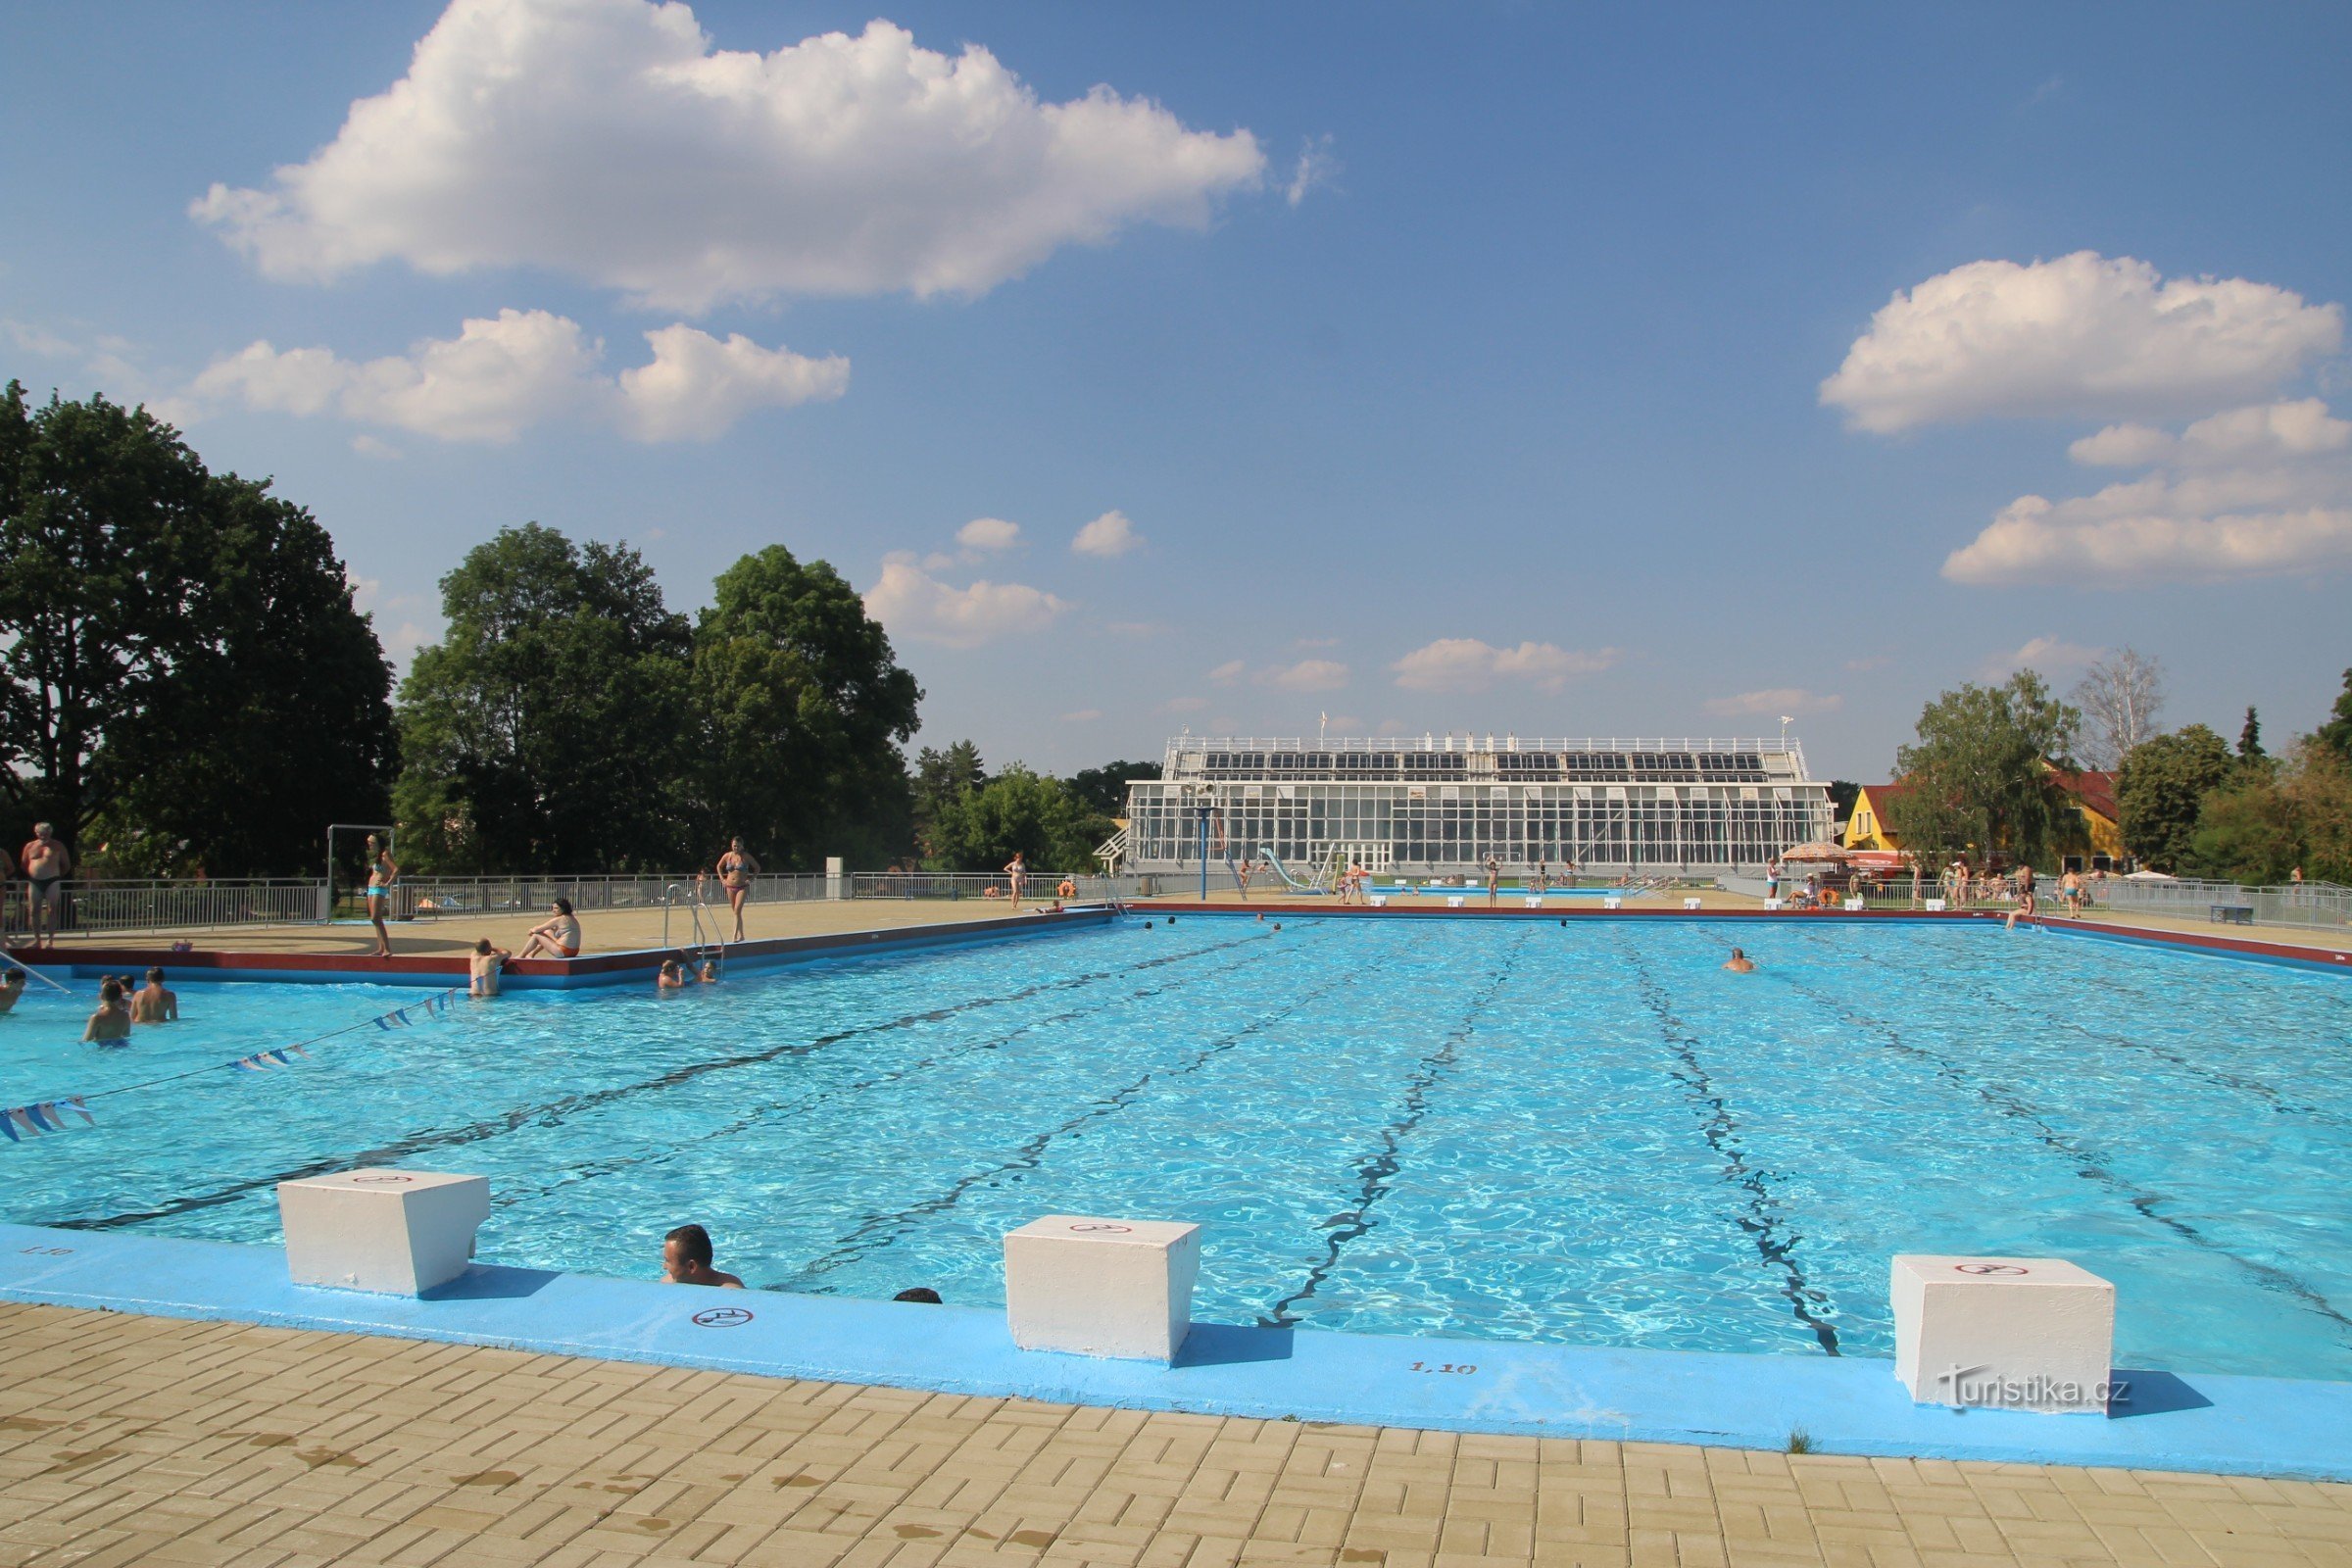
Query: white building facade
[{"x": 1443, "y": 804}]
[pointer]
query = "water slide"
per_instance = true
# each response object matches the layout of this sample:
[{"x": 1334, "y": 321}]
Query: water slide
[{"x": 1282, "y": 871}]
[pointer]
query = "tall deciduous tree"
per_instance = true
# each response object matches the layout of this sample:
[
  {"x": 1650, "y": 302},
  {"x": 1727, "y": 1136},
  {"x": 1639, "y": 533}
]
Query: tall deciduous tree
[
  {"x": 1105, "y": 788},
  {"x": 2162, "y": 791},
  {"x": 803, "y": 708},
  {"x": 940, "y": 777},
  {"x": 548, "y": 731},
  {"x": 1979, "y": 772},
  {"x": 979, "y": 830},
  {"x": 2120, "y": 698},
  {"x": 180, "y": 664},
  {"x": 2336, "y": 733}
]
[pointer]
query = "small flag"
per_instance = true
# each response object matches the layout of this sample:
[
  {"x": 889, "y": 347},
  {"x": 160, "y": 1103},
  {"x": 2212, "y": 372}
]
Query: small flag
[
  {"x": 44, "y": 1116},
  {"x": 82, "y": 1111}
]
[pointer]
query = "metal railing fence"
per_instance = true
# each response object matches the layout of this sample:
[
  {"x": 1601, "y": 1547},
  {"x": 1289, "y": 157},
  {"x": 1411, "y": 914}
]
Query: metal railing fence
[
  {"x": 90, "y": 907},
  {"x": 2311, "y": 905},
  {"x": 431, "y": 897}
]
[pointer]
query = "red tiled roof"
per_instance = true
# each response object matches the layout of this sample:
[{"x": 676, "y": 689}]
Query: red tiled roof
[{"x": 2095, "y": 789}]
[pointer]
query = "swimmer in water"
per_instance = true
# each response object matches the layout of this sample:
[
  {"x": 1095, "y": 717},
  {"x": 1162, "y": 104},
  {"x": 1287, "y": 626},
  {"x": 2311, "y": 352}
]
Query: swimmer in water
[
  {"x": 112, "y": 1020},
  {"x": 12, "y": 991},
  {"x": 670, "y": 977},
  {"x": 485, "y": 966},
  {"x": 1740, "y": 964},
  {"x": 686, "y": 1259},
  {"x": 154, "y": 1002}
]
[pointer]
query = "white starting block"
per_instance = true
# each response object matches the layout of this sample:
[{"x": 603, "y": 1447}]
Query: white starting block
[
  {"x": 1936, "y": 904},
  {"x": 396, "y": 1231},
  {"x": 1454, "y": 902},
  {"x": 1119, "y": 1287},
  {"x": 1535, "y": 901},
  {"x": 2003, "y": 1332},
  {"x": 1690, "y": 904},
  {"x": 1855, "y": 904},
  {"x": 1612, "y": 903},
  {"x": 1772, "y": 904},
  {"x": 1380, "y": 901}
]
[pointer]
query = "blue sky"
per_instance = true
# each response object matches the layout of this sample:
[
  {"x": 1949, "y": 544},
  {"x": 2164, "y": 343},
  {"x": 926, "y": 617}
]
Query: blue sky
[{"x": 1453, "y": 369}]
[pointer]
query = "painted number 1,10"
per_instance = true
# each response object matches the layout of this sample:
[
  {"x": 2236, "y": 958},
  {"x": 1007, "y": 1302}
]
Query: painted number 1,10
[{"x": 1446, "y": 1366}]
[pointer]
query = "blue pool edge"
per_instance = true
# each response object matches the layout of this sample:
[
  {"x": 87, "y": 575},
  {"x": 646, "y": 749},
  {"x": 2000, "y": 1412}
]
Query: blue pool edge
[{"x": 2215, "y": 1424}]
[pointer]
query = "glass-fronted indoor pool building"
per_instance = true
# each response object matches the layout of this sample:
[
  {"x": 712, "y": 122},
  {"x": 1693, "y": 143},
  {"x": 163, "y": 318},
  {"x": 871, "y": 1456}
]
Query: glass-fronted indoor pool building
[{"x": 1443, "y": 805}]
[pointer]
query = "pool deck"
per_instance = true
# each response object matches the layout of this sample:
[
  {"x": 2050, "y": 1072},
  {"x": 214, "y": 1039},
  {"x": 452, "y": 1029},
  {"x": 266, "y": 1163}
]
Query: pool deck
[
  {"x": 625, "y": 945},
  {"x": 129, "y": 1440}
]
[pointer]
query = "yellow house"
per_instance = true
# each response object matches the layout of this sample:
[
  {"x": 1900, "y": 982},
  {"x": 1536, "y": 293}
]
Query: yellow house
[{"x": 2093, "y": 796}]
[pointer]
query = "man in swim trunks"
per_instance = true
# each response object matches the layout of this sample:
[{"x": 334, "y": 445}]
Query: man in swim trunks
[
  {"x": 12, "y": 991},
  {"x": 736, "y": 868},
  {"x": 112, "y": 1020},
  {"x": 1740, "y": 964},
  {"x": 382, "y": 873},
  {"x": 671, "y": 976},
  {"x": 484, "y": 964},
  {"x": 46, "y": 864},
  {"x": 154, "y": 1002},
  {"x": 1494, "y": 870},
  {"x": 686, "y": 1259},
  {"x": 558, "y": 938}
]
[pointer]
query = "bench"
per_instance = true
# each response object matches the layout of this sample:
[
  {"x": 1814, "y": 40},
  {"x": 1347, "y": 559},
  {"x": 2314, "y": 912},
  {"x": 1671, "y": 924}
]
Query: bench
[{"x": 2231, "y": 914}]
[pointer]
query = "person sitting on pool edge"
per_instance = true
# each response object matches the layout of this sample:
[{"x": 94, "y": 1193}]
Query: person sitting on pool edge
[
  {"x": 112, "y": 1020},
  {"x": 560, "y": 938},
  {"x": 1740, "y": 964},
  {"x": 686, "y": 1259}
]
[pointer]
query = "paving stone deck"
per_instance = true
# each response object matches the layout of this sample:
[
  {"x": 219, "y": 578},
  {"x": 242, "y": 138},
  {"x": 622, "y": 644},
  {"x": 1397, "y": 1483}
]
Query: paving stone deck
[{"x": 135, "y": 1439}]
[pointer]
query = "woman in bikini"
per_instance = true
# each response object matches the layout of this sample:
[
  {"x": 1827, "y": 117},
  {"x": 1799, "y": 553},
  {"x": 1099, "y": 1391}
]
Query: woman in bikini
[
  {"x": 736, "y": 868},
  {"x": 558, "y": 938},
  {"x": 382, "y": 873},
  {"x": 1017, "y": 869}
]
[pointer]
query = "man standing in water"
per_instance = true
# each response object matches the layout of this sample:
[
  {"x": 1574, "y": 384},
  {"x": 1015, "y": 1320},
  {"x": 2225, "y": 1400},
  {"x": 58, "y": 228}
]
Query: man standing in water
[
  {"x": 686, "y": 1259},
  {"x": 47, "y": 863},
  {"x": 736, "y": 868},
  {"x": 1740, "y": 964},
  {"x": 112, "y": 1020},
  {"x": 154, "y": 1002}
]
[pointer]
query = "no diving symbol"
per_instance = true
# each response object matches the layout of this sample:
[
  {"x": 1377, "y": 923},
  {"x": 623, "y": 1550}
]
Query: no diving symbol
[
  {"x": 722, "y": 1317},
  {"x": 379, "y": 1180},
  {"x": 1988, "y": 1268},
  {"x": 1088, "y": 1230}
]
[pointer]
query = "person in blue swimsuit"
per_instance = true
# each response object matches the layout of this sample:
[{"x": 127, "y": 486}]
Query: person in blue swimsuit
[{"x": 382, "y": 873}]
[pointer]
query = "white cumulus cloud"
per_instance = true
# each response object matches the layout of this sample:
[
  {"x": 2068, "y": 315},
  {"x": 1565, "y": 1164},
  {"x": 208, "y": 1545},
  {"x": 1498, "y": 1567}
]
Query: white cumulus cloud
[
  {"x": 2083, "y": 334},
  {"x": 1307, "y": 675},
  {"x": 912, "y": 603},
  {"x": 1795, "y": 701},
  {"x": 2250, "y": 492},
  {"x": 1466, "y": 664},
  {"x": 1108, "y": 537},
  {"x": 500, "y": 375},
  {"x": 2041, "y": 655},
  {"x": 610, "y": 140},
  {"x": 989, "y": 533}
]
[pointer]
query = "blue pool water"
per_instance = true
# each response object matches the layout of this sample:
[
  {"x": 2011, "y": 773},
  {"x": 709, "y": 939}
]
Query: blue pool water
[{"x": 1501, "y": 1129}]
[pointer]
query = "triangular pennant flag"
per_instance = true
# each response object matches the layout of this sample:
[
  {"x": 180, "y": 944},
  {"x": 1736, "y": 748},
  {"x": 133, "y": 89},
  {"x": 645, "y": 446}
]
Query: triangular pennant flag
[
  {"x": 82, "y": 1111},
  {"x": 298, "y": 1051},
  {"x": 38, "y": 1120},
  {"x": 16, "y": 1114},
  {"x": 8, "y": 1125},
  {"x": 279, "y": 1056}
]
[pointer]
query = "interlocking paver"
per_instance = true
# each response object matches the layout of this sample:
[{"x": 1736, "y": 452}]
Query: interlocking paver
[{"x": 127, "y": 1440}]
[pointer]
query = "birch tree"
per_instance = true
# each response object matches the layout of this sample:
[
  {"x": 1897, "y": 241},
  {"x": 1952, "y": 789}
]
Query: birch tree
[{"x": 2119, "y": 697}]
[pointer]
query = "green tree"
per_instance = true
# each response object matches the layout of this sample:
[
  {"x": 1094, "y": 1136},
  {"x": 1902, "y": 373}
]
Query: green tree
[
  {"x": 941, "y": 777},
  {"x": 979, "y": 830},
  {"x": 182, "y": 668},
  {"x": 804, "y": 706},
  {"x": 1979, "y": 771},
  {"x": 2259, "y": 829},
  {"x": 2249, "y": 740},
  {"x": 548, "y": 730},
  {"x": 2336, "y": 733},
  {"x": 2162, "y": 788},
  {"x": 1105, "y": 788}
]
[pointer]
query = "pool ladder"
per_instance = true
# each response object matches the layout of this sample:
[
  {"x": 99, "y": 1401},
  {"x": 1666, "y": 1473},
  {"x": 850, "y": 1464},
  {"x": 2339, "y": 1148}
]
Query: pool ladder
[{"x": 707, "y": 944}]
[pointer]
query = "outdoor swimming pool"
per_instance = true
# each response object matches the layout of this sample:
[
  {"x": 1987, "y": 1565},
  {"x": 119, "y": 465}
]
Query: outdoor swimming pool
[{"x": 1499, "y": 1129}]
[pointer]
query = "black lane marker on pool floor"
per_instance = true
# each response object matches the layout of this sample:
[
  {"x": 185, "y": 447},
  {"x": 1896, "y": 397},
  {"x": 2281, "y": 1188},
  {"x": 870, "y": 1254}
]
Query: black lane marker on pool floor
[
  {"x": 2087, "y": 1163},
  {"x": 1376, "y": 1173},
  {"x": 555, "y": 1111},
  {"x": 2131, "y": 999},
  {"x": 808, "y": 1103},
  {"x": 878, "y": 1231},
  {"x": 1775, "y": 1236}
]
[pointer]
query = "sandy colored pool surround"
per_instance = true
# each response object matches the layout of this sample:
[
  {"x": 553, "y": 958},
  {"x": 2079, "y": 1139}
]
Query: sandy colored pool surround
[
  {"x": 129, "y": 1440},
  {"x": 628, "y": 945}
]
